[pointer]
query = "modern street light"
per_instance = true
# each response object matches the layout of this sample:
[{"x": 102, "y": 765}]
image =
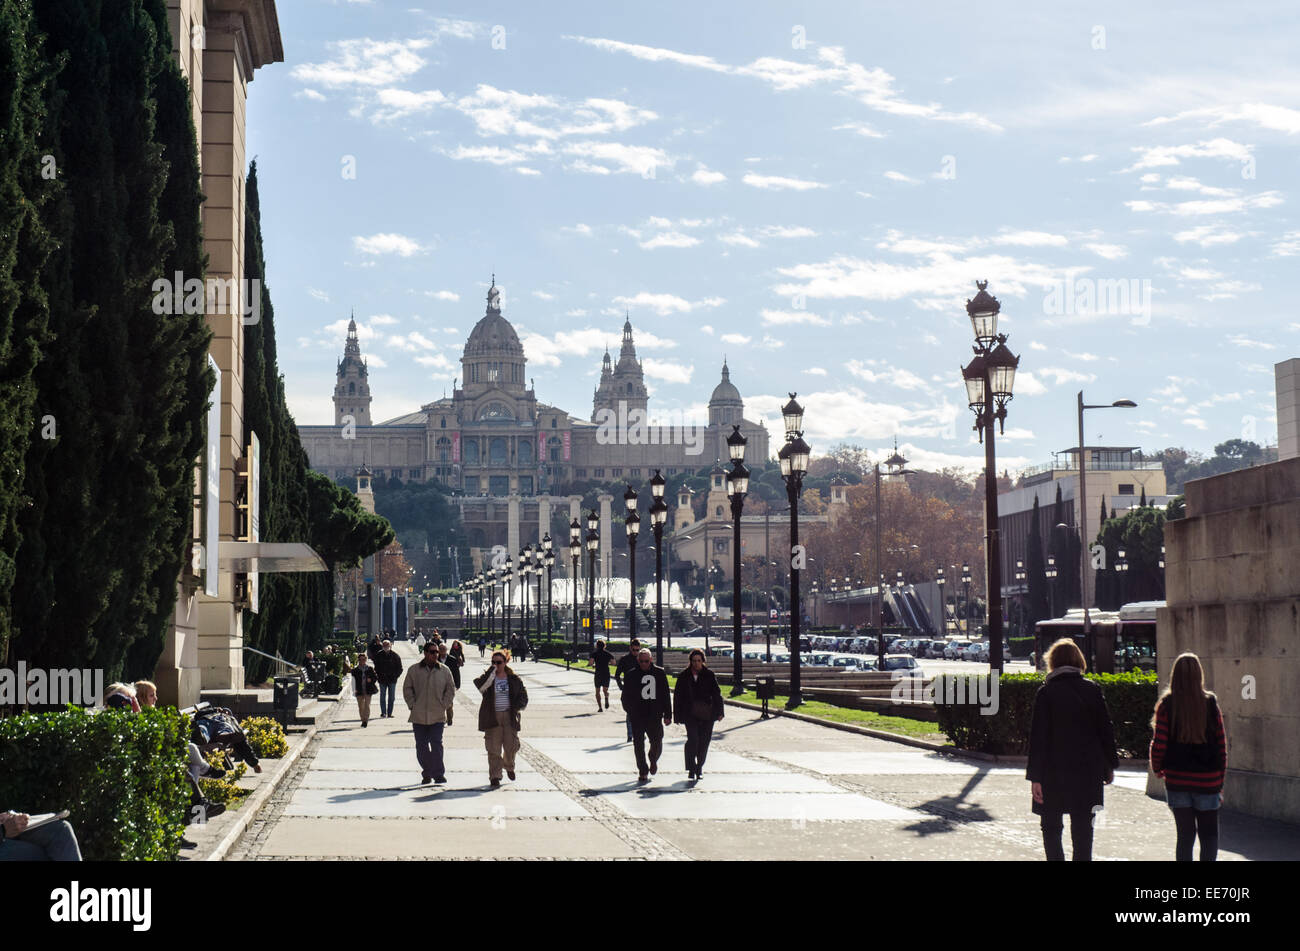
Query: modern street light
[
  {"x": 940, "y": 581},
  {"x": 737, "y": 488},
  {"x": 794, "y": 463},
  {"x": 593, "y": 545},
  {"x": 658, "y": 515},
  {"x": 989, "y": 380},
  {"x": 1121, "y": 567},
  {"x": 632, "y": 521},
  {"x": 575, "y": 552},
  {"x": 1084, "y": 548},
  {"x": 1051, "y": 581}
]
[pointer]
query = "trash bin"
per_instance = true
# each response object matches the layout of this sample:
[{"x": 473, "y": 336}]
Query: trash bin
[
  {"x": 286, "y": 694},
  {"x": 332, "y": 684},
  {"x": 765, "y": 688}
]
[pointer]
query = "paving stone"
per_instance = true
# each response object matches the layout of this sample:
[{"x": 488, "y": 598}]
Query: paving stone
[{"x": 425, "y": 801}]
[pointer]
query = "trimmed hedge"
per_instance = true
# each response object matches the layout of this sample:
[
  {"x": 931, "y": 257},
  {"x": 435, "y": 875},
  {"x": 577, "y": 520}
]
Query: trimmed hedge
[
  {"x": 1130, "y": 697},
  {"x": 121, "y": 775}
]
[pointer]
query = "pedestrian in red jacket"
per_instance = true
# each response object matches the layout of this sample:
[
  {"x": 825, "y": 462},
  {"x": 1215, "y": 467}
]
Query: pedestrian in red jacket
[{"x": 1190, "y": 750}]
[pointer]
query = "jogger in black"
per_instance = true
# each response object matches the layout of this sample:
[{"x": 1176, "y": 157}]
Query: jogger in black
[{"x": 601, "y": 659}]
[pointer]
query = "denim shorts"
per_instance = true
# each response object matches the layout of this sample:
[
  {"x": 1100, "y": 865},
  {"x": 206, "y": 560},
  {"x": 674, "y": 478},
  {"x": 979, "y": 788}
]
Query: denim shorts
[{"x": 1201, "y": 802}]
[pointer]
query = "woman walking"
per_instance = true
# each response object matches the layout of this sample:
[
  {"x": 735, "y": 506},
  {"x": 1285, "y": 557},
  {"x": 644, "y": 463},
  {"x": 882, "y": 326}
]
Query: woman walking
[
  {"x": 1189, "y": 749},
  {"x": 365, "y": 683},
  {"x": 1071, "y": 751},
  {"x": 601, "y": 659},
  {"x": 697, "y": 705},
  {"x": 504, "y": 697}
]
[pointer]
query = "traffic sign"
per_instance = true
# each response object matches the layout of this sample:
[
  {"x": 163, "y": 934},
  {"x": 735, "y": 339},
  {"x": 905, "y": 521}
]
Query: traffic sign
[
  {"x": 586, "y": 622},
  {"x": 609, "y": 624}
]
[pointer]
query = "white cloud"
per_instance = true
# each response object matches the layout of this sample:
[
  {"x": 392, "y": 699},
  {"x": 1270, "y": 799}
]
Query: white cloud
[
  {"x": 397, "y": 104},
  {"x": 1196, "y": 423},
  {"x": 706, "y": 328},
  {"x": 706, "y": 176},
  {"x": 859, "y": 128},
  {"x": 815, "y": 371},
  {"x": 437, "y": 361},
  {"x": 735, "y": 338},
  {"x": 1288, "y": 245},
  {"x": 1035, "y": 345},
  {"x": 382, "y": 320},
  {"x": 366, "y": 62},
  {"x": 1111, "y": 252},
  {"x": 785, "y": 317},
  {"x": 1161, "y": 155},
  {"x": 665, "y": 304},
  {"x": 639, "y": 159},
  {"x": 1031, "y": 239},
  {"x": 778, "y": 183},
  {"x": 318, "y": 294},
  {"x": 1219, "y": 206},
  {"x": 542, "y": 295},
  {"x": 1028, "y": 385},
  {"x": 667, "y": 370},
  {"x": 894, "y": 375},
  {"x": 311, "y": 94},
  {"x": 900, "y": 177},
  {"x": 670, "y": 239},
  {"x": 412, "y": 342},
  {"x": 1059, "y": 375},
  {"x": 442, "y": 295},
  {"x": 1265, "y": 115},
  {"x": 1241, "y": 340},
  {"x": 1208, "y": 235},
  {"x": 739, "y": 238},
  {"x": 387, "y": 243}
]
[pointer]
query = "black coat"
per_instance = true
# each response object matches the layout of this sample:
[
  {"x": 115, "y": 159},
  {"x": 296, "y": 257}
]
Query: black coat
[
  {"x": 453, "y": 664},
  {"x": 688, "y": 691},
  {"x": 1071, "y": 744},
  {"x": 487, "y": 708},
  {"x": 640, "y": 699},
  {"x": 388, "y": 665}
]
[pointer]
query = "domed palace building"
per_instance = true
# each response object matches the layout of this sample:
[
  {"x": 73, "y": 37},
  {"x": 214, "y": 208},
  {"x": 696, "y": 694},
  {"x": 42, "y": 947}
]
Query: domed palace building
[{"x": 502, "y": 452}]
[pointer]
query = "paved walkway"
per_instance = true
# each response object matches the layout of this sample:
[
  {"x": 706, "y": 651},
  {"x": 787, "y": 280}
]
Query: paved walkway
[{"x": 778, "y": 788}]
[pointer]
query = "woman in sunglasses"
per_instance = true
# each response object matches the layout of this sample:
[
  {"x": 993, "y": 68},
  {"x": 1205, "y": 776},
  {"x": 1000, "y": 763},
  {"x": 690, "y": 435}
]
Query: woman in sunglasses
[{"x": 504, "y": 697}]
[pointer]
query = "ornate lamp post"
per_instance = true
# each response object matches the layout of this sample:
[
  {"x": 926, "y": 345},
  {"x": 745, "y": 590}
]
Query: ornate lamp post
[
  {"x": 940, "y": 581},
  {"x": 539, "y": 560},
  {"x": 548, "y": 559},
  {"x": 658, "y": 515},
  {"x": 989, "y": 379},
  {"x": 633, "y": 522},
  {"x": 575, "y": 552},
  {"x": 1121, "y": 568},
  {"x": 966, "y": 582},
  {"x": 737, "y": 488},
  {"x": 896, "y": 466},
  {"x": 794, "y": 463},
  {"x": 1020, "y": 577},
  {"x": 509, "y": 571},
  {"x": 522, "y": 570},
  {"x": 593, "y": 545}
]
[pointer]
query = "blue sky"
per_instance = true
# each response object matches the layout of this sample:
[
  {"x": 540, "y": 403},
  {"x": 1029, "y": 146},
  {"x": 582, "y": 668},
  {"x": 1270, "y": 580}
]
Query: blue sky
[{"x": 809, "y": 189}]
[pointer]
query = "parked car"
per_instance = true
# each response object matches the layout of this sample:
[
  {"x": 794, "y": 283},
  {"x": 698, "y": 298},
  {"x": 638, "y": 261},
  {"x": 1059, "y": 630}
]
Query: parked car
[
  {"x": 903, "y": 662},
  {"x": 936, "y": 649},
  {"x": 821, "y": 659},
  {"x": 954, "y": 649},
  {"x": 847, "y": 662}
]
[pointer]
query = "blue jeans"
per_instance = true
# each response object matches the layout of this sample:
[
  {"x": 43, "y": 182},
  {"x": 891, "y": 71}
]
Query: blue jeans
[
  {"x": 428, "y": 748},
  {"x": 1201, "y": 802},
  {"x": 54, "y": 842},
  {"x": 387, "y": 695}
]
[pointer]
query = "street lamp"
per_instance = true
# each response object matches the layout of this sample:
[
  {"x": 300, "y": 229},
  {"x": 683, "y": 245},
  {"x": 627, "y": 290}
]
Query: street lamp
[
  {"x": 593, "y": 545},
  {"x": 548, "y": 558},
  {"x": 794, "y": 463},
  {"x": 940, "y": 581},
  {"x": 538, "y": 560},
  {"x": 737, "y": 488},
  {"x": 658, "y": 515},
  {"x": 896, "y": 465},
  {"x": 1121, "y": 566},
  {"x": 522, "y": 571},
  {"x": 1051, "y": 581},
  {"x": 989, "y": 380},
  {"x": 632, "y": 521},
  {"x": 508, "y": 571},
  {"x": 1084, "y": 547},
  {"x": 966, "y": 580},
  {"x": 575, "y": 552}
]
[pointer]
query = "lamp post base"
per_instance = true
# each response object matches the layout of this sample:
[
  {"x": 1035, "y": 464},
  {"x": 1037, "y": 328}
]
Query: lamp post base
[
  {"x": 796, "y": 700},
  {"x": 736, "y": 690}
]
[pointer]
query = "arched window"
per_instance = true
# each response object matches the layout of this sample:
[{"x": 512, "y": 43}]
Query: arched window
[
  {"x": 718, "y": 512},
  {"x": 629, "y": 387},
  {"x": 352, "y": 389},
  {"x": 554, "y": 448},
  {"x": 444, "y": 449},
  {"x": 497, "y": 454},
  {"x": 443, "y": 423},
  {"x": 471, "y": 452},
  {"x": 525, "y": 452}
]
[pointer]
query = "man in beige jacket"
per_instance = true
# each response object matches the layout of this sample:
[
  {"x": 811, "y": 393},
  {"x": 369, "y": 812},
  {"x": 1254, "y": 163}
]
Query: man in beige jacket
[{"x": 428, "y": 691}]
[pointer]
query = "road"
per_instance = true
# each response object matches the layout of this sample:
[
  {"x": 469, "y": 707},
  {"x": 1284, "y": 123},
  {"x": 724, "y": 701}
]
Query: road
[{"x": 779, "y": 788}]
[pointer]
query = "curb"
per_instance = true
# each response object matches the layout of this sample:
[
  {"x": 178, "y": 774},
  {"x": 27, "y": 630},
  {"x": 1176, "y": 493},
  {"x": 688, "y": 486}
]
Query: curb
[{"x": 253, "y": 805}]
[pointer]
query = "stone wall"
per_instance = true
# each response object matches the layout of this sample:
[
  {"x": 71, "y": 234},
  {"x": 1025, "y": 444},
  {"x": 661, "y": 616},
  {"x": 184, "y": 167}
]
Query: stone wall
[{"x": 1233, "y": 582}]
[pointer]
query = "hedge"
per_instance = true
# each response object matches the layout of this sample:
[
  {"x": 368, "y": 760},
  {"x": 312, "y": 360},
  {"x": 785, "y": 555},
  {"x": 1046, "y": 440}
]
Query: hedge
[
  {"x": 1130, "y": 697},
  {"x": 121, "y": 775}
]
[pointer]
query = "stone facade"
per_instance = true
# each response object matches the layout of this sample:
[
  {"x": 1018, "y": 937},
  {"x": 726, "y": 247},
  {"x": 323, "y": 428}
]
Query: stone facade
[
  {"x": 1234, "y": 600},
  {"x": 493, "y": 437}
]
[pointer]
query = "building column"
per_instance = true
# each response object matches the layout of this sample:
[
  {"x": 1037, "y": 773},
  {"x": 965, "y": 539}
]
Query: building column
[
  {"x": 575, "y": 509},
  {"x": 606, "y": 527},
  {"x": 512, "y": 528},
  {"x": 543, "y": 516}
]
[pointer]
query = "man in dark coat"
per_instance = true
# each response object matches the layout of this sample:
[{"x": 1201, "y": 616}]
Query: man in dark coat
[
  {"x": 1071, "y": 752},
  {"x": 626, "y": 664},
  {"x": 647, "y": 698},
  {"x": 388, "y": 668}
]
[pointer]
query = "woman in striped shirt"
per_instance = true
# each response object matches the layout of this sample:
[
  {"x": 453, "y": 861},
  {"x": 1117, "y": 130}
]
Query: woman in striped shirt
[{"x": 1190, "y": 751}]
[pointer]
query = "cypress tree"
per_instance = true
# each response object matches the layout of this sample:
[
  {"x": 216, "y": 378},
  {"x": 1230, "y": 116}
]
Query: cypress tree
[
  {"x": 1038, "y": 602},
  {"x": 27, "y": 186},
  {"x": 103, "y": 537}
]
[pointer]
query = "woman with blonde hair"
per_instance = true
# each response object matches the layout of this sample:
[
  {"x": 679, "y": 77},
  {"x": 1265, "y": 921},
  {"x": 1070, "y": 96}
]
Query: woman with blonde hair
[
  {"x": 1071, "y": 751},
  {"x": 1189, "y": 749}
]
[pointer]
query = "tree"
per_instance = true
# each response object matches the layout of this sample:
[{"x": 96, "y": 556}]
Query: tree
[
  {"x": 111, "y": 495},
  {"x": 25, "y": 247},
  {"x": 1140, "y": 532}
]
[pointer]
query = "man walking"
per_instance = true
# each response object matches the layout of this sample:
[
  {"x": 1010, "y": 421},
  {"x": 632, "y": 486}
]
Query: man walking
[
  {"x": 646, "y": 699},
  {"x": 388, "y": 667},
  {"x": 626, "y": 664},
  {"x": 428, "y": 691}
]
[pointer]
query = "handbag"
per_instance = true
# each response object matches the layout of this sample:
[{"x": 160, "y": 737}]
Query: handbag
[{"x": 701, "y": 710}]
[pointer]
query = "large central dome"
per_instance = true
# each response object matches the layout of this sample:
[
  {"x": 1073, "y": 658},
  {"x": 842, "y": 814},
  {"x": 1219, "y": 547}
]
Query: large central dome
[{"x": 493, "y": 335}]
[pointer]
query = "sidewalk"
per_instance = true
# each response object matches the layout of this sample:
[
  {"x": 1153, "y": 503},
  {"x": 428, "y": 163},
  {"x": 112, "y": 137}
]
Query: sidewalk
[{"x": 773, "y": 789}]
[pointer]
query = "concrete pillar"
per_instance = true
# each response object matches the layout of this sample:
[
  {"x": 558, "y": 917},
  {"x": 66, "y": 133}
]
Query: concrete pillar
[
  {"x": 512, "y": 528},
  {"x": 1287, "y": 375},
  {"x": 606, "y": 538},
  {"x": 544, "y": 518}
]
